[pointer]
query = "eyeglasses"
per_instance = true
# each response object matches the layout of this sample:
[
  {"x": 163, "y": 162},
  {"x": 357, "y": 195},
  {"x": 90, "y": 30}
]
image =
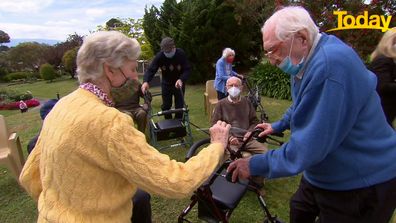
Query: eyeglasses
[{"x": 272, "y": 50}]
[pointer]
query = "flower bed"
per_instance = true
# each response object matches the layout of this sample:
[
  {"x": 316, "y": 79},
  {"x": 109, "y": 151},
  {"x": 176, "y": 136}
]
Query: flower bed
[{"x": 15, "y": 105}]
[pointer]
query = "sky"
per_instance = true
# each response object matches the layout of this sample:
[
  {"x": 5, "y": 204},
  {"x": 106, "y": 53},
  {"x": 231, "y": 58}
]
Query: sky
[{"x": 56, "y": 19}]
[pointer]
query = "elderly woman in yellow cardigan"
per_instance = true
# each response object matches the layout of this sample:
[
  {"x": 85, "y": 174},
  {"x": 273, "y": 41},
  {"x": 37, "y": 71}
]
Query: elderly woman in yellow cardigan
[{"x": 89, "y": 159}]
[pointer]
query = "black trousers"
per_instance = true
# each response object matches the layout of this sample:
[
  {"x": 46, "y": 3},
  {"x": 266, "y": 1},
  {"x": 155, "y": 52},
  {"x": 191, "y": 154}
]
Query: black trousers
[
  {"x": 168, "y": 91},
  {"x": 373, "y": 204},
  {"x": 141, "y": 207}
]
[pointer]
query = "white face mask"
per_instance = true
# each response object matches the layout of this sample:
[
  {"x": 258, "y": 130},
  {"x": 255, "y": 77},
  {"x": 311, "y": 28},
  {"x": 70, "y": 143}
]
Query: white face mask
[{"x": 234, "y": 92}]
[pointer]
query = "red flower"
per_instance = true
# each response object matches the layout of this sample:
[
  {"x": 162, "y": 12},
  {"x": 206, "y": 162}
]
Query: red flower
[{"x": 15, "y": 105}]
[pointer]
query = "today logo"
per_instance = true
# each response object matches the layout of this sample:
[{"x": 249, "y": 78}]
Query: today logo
[{"x": 346, "y": 21}]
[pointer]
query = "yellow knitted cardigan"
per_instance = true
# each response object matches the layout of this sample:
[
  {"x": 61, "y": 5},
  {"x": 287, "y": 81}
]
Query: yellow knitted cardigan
[{"x": 89, "y": 160}]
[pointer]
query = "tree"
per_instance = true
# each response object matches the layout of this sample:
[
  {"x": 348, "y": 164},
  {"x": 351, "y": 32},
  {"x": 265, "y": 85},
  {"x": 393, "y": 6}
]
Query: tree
[
  {"x": 203, "y": 28},
  {"x": 4, "y": 37},
  {"x": 69, "y": 61},
  {"x": 113, "y": 23},
  {"x": 362, "y": 40},
  {"x": 132, "y": 28},
  {"x": 56, "y": 52},
  {"x": 152, "y": 32},
  {"x": 47, "y": 72},
  {"x": 27, "y": 56}
]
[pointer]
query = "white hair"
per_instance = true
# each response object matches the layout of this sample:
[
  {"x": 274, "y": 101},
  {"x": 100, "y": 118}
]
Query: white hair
[
  {"x": 386, "y": 46},
  {"x": 234, "y": 78},
  {"x": 290, "y": 20},
  {"x": 111, "y": 47},
  {"x": 228, "y": 52}
]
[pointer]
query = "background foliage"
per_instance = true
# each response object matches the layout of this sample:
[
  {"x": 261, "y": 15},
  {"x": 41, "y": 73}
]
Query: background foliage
[
  {"x": 132, "y": 28},
  {"x": 29, "y": 56},
  {"x": 47, "y": 72},
  {"x": 69, "y": 61},
  {"x": 24, "y": 75},
  {"x": 204, "y": 27},
  {"x": 271, "y": 81}
]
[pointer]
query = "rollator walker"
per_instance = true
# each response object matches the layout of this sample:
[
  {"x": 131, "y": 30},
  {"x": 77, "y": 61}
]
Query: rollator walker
[
  {"x": 218, "y": 196},
  {"x": 166, "y": 129}
]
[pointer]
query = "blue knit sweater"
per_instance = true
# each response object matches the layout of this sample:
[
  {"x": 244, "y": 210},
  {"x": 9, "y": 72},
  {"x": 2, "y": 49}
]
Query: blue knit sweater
[{"x": 339, "y": 139}]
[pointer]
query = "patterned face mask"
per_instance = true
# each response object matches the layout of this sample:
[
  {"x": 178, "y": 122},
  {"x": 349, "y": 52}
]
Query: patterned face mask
[{"x": 125, "y": 91}]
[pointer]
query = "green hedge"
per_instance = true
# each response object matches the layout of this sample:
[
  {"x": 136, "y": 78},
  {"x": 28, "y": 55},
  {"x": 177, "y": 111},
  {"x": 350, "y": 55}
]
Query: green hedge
[
  {"x": 20, "y": 75},
  {"x": 14, "y": 95},
  {"x": 272, "y": 81},
  {"x": 3, "y": 73}
]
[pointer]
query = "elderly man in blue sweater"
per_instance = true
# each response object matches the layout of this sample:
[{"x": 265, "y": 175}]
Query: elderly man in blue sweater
[{"x": 340, "y": 139}]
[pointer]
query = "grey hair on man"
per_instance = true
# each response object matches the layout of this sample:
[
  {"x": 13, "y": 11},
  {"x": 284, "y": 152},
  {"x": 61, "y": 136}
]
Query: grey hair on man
[
  {"x": 111, "y": 47},
  {"x": 289, "y": 20},
  {"x": 231, "y": 79}
]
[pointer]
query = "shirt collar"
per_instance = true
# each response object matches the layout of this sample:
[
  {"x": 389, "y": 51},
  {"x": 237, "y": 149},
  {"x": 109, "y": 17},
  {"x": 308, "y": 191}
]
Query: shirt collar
[
  {"x": 315, "y": 43},
  {"x": 234, "y": 102},
  {"x": 98, "y": 92}
]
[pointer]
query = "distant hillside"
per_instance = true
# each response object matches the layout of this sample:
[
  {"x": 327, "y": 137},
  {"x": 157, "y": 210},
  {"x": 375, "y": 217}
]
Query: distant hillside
[{"x": 14, "y": 42}]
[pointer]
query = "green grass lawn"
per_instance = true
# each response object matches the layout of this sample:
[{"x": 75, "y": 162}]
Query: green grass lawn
[{"x": 16, "y": 206}]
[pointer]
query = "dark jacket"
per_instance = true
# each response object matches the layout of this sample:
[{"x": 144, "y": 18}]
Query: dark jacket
[
  {"x": 172, "y": 69},
  {"x": 385, "y": 69}
]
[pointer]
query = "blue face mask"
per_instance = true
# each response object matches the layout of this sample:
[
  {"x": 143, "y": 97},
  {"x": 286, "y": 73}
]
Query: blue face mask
[
  {"x": 287, "y": 65},
  {"x": 170, "y": 54}
]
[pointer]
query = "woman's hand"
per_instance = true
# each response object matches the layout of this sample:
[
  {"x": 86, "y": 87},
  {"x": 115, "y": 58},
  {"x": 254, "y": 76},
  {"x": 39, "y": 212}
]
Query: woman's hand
[{"x": 219, "y": 133}]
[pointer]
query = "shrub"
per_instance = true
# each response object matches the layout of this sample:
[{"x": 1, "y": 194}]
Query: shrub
[
  {"x": 24, "y": 96},
  {"x": 35, "y": 75},
  {"x": 13, "y": 95},
  {"x": 3, "y": 73},
  {"x": 69, "y": 61},
  {"x": 18, "y": 76},
  {"x": 272, "y": 81},
  {"x": 47, "y": 72}
]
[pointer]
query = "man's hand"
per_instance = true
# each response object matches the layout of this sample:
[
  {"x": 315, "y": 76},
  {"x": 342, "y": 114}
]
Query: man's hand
[
  {"x": 179, "y": 83},
  {"x": 219, "y": 133},
  {"x": 267, "y": 129},
  {"x": 145, "y": 87},
  {"x": 240, "y": 169}
]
